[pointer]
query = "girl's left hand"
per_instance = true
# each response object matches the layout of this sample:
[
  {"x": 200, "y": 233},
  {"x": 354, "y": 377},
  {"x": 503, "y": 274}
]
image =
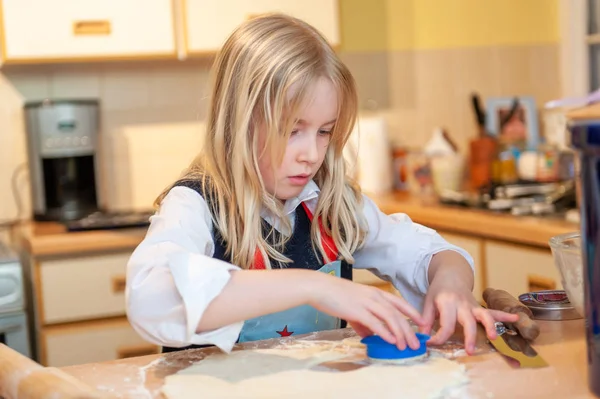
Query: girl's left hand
[{"x": 453, "y": 301}]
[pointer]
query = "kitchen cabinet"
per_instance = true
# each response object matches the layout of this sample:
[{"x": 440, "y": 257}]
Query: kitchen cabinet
[
  {"x": 519, "y": 269},
  {"x": 79, "y": 307},
  {"x": 37, "y": 31},
  {"x": 209, "y": 22},
  {"x": 95, "y": 341}
]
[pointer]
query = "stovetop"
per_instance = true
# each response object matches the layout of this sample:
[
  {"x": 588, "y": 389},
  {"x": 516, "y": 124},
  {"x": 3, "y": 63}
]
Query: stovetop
[{"x": 110, "y": 220}]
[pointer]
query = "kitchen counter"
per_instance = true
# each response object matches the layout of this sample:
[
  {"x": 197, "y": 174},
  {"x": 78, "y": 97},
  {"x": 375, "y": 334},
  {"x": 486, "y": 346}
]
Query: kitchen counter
[
  {"x": 47, "y": 239},
  {"x": 51, "y": 239},
  {"x": 561, "y": 344},
  {"x": 530, "y": 230}
]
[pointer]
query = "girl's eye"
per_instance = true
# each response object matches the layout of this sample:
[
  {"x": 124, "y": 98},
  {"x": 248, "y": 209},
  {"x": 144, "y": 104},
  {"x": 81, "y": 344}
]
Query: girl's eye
[
  {"x": 294, "y": 132},
  {"x": 324, "y": 132}
]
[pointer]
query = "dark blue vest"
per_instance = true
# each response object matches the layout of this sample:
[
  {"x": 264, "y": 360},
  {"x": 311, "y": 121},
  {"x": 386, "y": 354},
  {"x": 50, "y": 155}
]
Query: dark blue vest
[{"x": 298, "y": 248}]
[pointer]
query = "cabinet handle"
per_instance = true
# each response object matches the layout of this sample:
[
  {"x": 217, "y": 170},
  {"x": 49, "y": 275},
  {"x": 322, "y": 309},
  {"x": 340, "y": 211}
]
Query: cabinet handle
[
  {"x": 118, "y": 284},
  {"x": 540, "y": 283},
  {"x": 91, "y": 28},
  {"x": 136, "y": 350}
]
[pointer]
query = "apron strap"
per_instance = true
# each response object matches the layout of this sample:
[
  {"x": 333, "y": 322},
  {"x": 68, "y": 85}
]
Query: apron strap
[{"x": 326, "y": 241}]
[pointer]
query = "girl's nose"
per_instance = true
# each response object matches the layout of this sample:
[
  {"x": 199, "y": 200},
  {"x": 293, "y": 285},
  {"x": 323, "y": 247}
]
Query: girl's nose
[{"x": 310, "y": 151}]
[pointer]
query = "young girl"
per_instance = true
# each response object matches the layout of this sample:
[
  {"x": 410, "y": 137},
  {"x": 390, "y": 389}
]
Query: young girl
[{"x": 251, "y": 243}]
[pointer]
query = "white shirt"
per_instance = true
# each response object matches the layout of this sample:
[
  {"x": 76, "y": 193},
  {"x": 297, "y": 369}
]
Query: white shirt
[{"x": 172, "y": 276}]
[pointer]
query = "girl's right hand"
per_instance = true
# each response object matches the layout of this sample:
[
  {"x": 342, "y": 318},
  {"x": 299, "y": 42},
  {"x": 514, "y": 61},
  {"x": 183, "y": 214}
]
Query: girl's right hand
[{"x": 369, "y": 310}]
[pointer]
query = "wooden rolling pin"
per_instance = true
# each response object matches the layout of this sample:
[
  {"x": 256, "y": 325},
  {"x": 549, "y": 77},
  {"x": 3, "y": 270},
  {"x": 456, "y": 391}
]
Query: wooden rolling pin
[
  {"x": 22, "y": 378},
  {"x": 502, "y": 300}
]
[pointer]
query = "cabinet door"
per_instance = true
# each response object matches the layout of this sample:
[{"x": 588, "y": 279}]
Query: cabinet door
[
  {"x": 519, "y": 269},
  {"x": 473, "y": 246},
  {"x": 210, "y": 22},
  {"x": 82, "y": 288},
  {"x": 41, "y": 30},
  {"x": 93, "y": 342}
]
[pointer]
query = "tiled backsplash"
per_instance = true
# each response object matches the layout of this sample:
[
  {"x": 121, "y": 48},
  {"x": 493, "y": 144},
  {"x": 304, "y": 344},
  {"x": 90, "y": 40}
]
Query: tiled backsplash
[
  {"x": 416, "y": 90},
  {"x": 167, "y": 97}
]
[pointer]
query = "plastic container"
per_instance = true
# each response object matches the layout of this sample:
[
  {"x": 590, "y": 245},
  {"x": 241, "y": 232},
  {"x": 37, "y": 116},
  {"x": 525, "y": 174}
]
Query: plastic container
[{"x": 566, "y": 250}]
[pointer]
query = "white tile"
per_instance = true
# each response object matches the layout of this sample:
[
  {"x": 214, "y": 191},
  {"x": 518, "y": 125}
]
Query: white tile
[
  {"x": 70, "y": 83},
  {"x": 32, "y": 86},
  {"x": 124, "y": 89},
  {"x": 176, "y": 86}
]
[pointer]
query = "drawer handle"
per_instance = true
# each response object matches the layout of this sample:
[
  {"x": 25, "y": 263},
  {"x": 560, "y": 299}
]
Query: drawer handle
[
  {"x": 137, "y": 350},
  {"x": 81, "y": 28},
  {"x": 118, "y": 284},
  {"x": 540, "y": 283}
]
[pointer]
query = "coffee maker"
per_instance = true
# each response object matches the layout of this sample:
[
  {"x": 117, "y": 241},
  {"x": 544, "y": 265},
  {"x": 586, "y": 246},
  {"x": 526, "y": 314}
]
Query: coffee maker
[{"x": 62, "y": 137}]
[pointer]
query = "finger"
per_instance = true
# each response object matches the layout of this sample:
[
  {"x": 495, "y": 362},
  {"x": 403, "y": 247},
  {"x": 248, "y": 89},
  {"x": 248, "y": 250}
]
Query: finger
[
  {"x": 406, "y": 308},
  {"x": 409, "y": 334},
  {"x": 428, "y": 317},
  {"x": 377, "y": 326},
  {"x": 498, "y": 315},
  {"x": 360, "y": 330},
  {"x": 447, "y": 324},
  {"x": 392, "y": 318},
  {"x": 487, "y": 321},
  {"x": 467, "y": 320}
]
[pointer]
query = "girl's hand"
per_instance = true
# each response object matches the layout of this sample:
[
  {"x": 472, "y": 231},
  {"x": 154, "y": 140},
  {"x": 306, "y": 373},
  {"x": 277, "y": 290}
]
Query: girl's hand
[
  {"x": 453, "y": 301},
  {"x": 369, "y": 310}
]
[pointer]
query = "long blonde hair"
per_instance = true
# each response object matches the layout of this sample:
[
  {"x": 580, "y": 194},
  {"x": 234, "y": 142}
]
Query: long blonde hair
[{"x": 250, "y": 83}]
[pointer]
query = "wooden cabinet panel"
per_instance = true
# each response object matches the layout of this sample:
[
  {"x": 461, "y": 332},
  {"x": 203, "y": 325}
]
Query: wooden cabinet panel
[
  {"x": 39, "y": 30},
  {"x": 83, "y": 288},
  {"x": 98, "y": 341},
  {"x": 519, "y": 269},
  {"x": 210, "y": 22}
]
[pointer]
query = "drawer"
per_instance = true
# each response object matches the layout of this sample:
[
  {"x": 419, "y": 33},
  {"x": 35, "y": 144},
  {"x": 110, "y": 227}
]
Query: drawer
[
  {"x": 92, "y": 342},
  {"x": 519, "y": 269},
  {"x": 82, "y": 288},
  {"x": 78, "y": 29}
]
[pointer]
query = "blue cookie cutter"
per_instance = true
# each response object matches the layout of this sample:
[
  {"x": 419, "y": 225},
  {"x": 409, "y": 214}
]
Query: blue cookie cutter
[{"x": 378, "y": 348}]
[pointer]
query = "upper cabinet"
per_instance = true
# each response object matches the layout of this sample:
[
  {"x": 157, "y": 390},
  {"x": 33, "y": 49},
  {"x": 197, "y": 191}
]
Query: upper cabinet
[
  {"x": 209, "y": 22},
  {"x": 44, "y": 31},
  {"x": 36, "y": 31}
]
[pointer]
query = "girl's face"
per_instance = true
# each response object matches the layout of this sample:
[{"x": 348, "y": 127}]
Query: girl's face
[{"x": 307, "y": 146}]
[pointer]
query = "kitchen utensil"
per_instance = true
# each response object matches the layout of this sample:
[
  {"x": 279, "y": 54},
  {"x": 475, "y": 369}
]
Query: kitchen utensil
[
  {"x": 482, "y": 150},
  {"x": 502, "y": 300},
  {"x": 23, "y": 378},
  {"x": 379, "y": 349},
  {"x": 516, "y": 348},
  {"x": 566, "y": 251},
  {"x": 549, "y": 305}
]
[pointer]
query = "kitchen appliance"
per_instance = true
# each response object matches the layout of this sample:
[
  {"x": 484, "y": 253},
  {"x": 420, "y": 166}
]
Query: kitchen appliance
[
  {"x": 62, "y": 137},
  {"x": 13, "y": 319}
]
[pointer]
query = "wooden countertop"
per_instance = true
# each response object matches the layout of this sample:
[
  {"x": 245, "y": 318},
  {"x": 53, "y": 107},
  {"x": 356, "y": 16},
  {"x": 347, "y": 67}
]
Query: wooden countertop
[
  {"x": 47, "y": 239},
  {"x": 531, "y": 230},
  {"x": 561, "y": 344},
  {"x": 51, "y": 239}
]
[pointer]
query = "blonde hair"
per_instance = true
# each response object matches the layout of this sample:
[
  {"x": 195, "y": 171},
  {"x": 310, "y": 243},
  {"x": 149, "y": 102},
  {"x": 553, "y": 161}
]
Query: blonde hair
[{"x": 250, "y": 82}]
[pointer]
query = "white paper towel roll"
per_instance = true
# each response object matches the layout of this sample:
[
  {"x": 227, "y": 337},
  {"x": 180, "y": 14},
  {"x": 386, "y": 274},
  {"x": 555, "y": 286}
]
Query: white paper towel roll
[{"x": 368, "y": 154}]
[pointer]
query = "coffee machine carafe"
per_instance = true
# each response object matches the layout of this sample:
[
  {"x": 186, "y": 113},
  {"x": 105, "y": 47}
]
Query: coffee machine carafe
[{"x": 62, "y": 138}]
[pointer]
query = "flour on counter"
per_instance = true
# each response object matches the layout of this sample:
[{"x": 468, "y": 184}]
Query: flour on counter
[{"x": 288, "y": 372}]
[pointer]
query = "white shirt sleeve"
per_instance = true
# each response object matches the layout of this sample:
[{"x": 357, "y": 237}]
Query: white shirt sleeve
[
  {"x": 172, "y": 277},
  {"x": 399, "y": 251}
]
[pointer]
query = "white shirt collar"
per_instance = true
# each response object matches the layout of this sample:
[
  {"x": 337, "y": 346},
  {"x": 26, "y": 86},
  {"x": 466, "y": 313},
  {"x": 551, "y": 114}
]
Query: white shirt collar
[{"x": 309, "y": 194}]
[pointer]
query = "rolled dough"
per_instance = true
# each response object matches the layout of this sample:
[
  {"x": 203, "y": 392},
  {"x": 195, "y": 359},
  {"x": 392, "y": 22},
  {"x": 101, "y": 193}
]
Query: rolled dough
[{"x": 287, "y": 373}]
